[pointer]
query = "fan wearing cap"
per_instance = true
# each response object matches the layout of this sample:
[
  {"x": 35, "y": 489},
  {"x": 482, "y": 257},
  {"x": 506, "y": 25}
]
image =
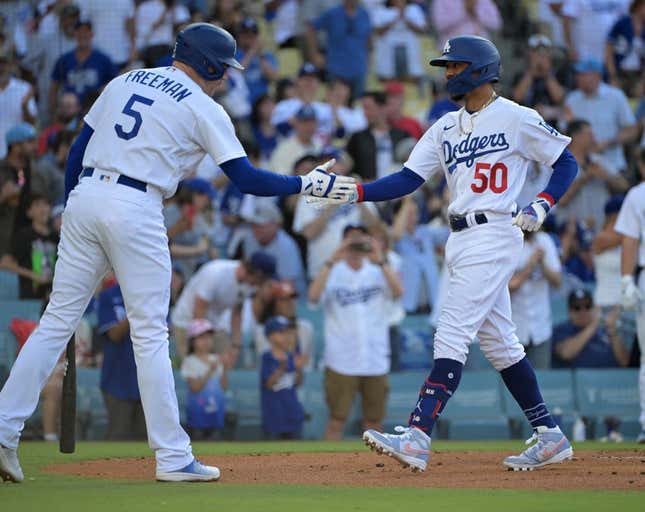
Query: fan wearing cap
[
  {"x": 395, "y": 101},
  {"x": 280, "y": 374},
  {"x": 585, "y": 340},
  {"x": 301, "y": 142},
  {"x": 607, "y": 110},
  {"x": 83, "y": 71},
  {"x": 306, "y": 93},
  {"x": 216, "y": 292},
  {"x": 206, "y": 373},
  {"x": 17, "y": 170},
  {"x": 187, "y": 220},
  {"x": 538, "y": 86},
  {"x": 624, "y": 50},
  {"x": 260, "y": 65},
  {"x": 267, "y": 235}
]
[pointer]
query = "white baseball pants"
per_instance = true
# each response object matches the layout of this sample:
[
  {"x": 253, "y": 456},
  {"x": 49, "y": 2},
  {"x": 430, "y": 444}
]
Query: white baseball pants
[
  {"x": 480, "y": 262},
  {"x": 106, "y": 224},
  {"x": 640, "y": 332}
]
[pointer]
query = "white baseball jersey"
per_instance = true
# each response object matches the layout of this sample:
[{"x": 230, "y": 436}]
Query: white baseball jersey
[
  {"x": 214, "y": 282},
  {"x": 486, "y": 168},
  {"x": 357, "y": 305},
  {"x": 156, "y": 125},
  {"x": 631, "y": 219}
]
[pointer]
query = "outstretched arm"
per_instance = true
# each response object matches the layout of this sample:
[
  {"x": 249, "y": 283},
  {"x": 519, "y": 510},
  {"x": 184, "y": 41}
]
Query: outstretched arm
[{"x": 390, "y": 187}]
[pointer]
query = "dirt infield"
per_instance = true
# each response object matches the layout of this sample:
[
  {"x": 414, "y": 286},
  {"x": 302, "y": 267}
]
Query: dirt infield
[{"x": 612, "y": 470}]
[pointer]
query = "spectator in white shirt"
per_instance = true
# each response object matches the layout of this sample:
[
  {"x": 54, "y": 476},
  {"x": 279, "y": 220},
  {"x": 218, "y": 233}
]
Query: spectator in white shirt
[
  {"x": 355, "y": 288},
  {"x": 156, "y": 22},
  {"x": 16, "y": 101},
  {"x": 302, "y": 142},
  {"x": 113, "y": 25},
  {"x": 538, "y": 269}
]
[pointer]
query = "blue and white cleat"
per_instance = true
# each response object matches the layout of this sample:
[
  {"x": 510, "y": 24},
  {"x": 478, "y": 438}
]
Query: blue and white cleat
[
  {"x": 552, "y": 447},
  {"x": 411, "y": 447},
  {"x": 194, "y": 472},
  {"x": 9, "y": 466}
]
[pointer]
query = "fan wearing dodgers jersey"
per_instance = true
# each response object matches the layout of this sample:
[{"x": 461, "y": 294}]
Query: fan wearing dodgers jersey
[
  {"x": 147, "y": 130},
  {"x": 484, "y": 150}
]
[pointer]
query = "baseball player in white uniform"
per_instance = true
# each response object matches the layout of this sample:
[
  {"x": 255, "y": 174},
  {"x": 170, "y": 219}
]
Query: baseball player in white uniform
[
  {"x": 484, "y": 151},
  {"x": 631, "y": 224},
  {"x": 147, "y": 130}
]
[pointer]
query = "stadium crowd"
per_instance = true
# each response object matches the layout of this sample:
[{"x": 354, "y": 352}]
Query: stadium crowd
[{"x": 343, "y": 79}]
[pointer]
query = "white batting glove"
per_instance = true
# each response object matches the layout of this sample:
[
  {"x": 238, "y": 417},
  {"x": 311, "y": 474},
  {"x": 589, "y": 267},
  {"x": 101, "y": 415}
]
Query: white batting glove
[
  {"x": 532, "y": 216},
  {"x": 328, "y": 187},
  {"x": 631, "y": 296}
]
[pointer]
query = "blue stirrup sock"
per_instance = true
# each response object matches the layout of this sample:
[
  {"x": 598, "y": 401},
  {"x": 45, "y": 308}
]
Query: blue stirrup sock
[
  {"x": 435, "y": 392},
  {"x": 521, "y": 382}
]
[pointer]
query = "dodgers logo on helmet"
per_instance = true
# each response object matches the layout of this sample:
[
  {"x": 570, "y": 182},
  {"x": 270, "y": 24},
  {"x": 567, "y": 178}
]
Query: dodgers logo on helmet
[
  {"x": 483, "y": 60},
  {"x": 208, "y": 49}
]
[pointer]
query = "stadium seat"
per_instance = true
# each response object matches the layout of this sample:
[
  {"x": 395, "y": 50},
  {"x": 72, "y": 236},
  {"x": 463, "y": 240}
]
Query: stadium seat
[
  {"x": 558, "y": 393},
  {"x": 8, "y": 285},
  {"x": 603, "y": 393},
  {"x": 92, "y": 414},
  {"x": 245, "y": 389},
  {"x": 312, "y": 397},
  {"x": 9, "y": 309},
  {"x": 416, "y": 343},
  {"x": 475, "y": 411}
]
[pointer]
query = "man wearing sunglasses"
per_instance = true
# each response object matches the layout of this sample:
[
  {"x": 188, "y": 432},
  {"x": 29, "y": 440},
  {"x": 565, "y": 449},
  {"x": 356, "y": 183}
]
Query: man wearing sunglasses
[{"x": 586, "y": 339}]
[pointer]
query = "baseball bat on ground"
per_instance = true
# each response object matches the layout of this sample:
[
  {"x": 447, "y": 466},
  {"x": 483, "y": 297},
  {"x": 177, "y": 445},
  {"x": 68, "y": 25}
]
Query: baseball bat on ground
[{"x": 68, "y": 402}]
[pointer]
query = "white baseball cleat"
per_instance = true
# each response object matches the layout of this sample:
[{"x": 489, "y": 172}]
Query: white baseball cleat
[
  {"x": 551, "y": 447},
  {"x": 9, "y": 466},
  {"x": 194, "y": 472},
  {"x": 411, "y": 447}
]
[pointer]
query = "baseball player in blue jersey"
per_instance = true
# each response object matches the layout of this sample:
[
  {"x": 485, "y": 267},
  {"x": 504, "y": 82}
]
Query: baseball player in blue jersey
[
  {"x": 484, "y": 150},
  {"x": 147, "y": 130}
]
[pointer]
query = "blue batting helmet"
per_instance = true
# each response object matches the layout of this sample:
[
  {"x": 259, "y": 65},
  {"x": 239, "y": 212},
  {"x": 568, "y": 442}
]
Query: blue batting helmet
[
  {"x": 208, "y": 49},
  {"x": 482, "y": 57}
]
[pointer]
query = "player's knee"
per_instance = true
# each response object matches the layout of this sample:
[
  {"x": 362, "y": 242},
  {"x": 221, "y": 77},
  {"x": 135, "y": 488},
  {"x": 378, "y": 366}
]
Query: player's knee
[
  {"x": 456, "y": 350},
  {"x": 501, "y": 354}
]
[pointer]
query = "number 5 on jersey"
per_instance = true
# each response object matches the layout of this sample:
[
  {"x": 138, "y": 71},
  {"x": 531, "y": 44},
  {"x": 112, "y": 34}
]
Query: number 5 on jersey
[
  {"x": 493, "y": 177},
  {"x": 134, "y": 114}
]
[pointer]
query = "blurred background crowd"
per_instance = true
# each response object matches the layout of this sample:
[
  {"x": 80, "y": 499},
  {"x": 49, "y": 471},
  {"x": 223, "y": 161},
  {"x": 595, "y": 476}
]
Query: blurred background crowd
[{"x": 343, "y": 79}]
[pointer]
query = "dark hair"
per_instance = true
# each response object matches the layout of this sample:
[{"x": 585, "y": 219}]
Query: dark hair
[
  {"x": 281, "y": 87},
  {"x": 636, "y": 4},
  {"x": 576, "y": 126},
  {"x": 255, "y": 112},
  {"x": 379, "y": 97},
  {"x": 305, "y": 158},
  {"x": 34, "y": 198},
  {"x": 251, "y": 148}
]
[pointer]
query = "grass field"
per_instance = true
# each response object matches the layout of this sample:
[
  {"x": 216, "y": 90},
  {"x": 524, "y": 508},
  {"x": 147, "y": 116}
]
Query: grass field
[{"x": 45, "y": 492}]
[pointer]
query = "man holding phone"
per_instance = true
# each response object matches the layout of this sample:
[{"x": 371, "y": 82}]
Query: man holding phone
[{"x": 354, "y": 288}]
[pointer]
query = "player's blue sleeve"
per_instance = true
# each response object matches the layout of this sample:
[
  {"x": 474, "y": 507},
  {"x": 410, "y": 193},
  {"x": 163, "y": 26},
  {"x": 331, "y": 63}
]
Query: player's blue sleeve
[
  {"x": 258, "y": 181},
  {"x": 75, "y": 158},
  {"x": 395, "y": 185},
  {"x": 565, "y": 169}
]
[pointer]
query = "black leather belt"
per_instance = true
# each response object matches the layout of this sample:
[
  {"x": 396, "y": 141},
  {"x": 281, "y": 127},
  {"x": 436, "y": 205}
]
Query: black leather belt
[
  {"x": 121, "y": 180},
  {"x": 459, "y": 222}
]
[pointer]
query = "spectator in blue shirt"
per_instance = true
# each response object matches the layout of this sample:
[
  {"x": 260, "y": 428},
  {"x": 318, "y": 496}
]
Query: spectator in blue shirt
[
  {"x": 626, "y": 49},
  {"x": 83, "y": 71},
  {"x": 347, "y": 29},
  {"x": 585, "y": 341},
  {"x": 280, "y": 374},
  {"x": 119, "y": 372},
  {"x": 260, "y": 66}
]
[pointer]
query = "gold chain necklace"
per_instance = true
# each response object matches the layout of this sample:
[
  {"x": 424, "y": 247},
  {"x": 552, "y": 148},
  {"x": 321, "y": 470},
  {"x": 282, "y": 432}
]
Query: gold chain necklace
[{"x": 492, "y": 98}]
